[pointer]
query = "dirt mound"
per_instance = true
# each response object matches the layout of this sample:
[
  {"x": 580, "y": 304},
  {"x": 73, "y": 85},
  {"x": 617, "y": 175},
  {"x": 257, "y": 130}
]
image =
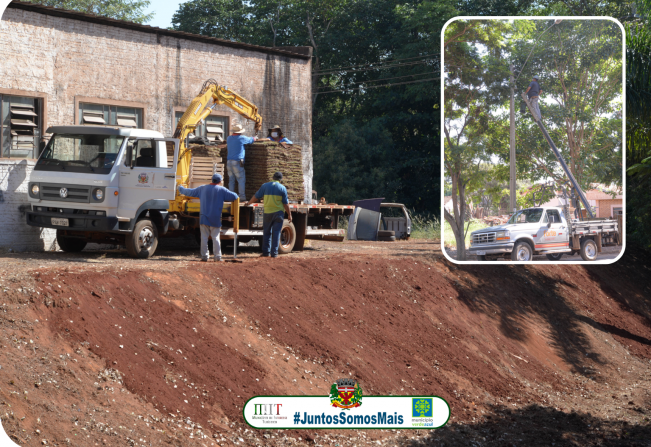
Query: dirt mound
[{"x": 185, "y": 347}]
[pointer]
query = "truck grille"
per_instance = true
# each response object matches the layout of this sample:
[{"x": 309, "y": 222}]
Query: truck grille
[
  {"x": 75, "y": 193},
  {"x": 483, "y": 238}
]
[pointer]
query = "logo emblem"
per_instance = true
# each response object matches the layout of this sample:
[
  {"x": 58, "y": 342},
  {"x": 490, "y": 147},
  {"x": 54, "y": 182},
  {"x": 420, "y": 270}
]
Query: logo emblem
[
  {"x": 63, "y": 192},
  {"x": 143, "y": 178},
  {"x": 345, "y": 394},
  {"x": 421, "y": 408}
]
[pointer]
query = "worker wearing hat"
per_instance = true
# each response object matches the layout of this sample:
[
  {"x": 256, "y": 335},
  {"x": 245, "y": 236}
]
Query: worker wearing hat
[
  {"x": 276, "y": 204},
  {"x": 276, "y": 134},
  {"x": 533, "y": 93},
  {"x": 235, "y": 160},
  {"x": 211, "y": 200}
]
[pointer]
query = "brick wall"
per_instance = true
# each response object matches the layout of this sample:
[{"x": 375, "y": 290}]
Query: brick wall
[
  {"x": 66, "y": 58},
  {"x": 16, "y": 235},
  {"x": 605, "y": 207}
]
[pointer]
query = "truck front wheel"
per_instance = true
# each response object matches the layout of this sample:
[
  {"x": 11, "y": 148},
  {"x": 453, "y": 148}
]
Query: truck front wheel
[
  {"x": 522, "y": 252},
  {"x": 588, "y": 250},
  {"x": 142, "y": 242},
  {"x": 287, "y": 238},
  {"x": 70, "y": 244}
]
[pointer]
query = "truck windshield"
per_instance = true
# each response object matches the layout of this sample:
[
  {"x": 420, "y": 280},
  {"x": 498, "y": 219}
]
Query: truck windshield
[
  {"x": 80, "y": 153},
  {"x": 531, "y": 215}
]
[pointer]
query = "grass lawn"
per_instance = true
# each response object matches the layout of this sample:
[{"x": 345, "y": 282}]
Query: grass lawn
[{"x": 449, "y": 235}]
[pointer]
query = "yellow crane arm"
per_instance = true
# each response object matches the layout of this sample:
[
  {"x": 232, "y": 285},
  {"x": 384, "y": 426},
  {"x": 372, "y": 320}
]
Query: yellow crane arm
[{"x": 199, "y": 110}]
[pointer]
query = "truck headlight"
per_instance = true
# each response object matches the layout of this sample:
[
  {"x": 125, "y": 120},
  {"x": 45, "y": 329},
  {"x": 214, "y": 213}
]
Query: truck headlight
[
  {"x": 35, "y": 190},
  {"x": 502, "y": 236},
  {"x": 99, "y": 194}
]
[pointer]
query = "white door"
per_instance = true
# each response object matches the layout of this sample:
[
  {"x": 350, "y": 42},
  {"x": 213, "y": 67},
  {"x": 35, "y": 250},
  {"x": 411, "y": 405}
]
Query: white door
[
  {"x": 145, "y": 174},
  {"x": 553, "y": 235}
]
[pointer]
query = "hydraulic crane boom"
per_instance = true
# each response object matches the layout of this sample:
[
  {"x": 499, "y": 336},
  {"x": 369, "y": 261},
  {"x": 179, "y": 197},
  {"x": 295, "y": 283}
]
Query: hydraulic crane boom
[
  {"x": 560, "y": 159},
  {"x": 195, "y": 113},
  {"x": 199, "y": 111}
]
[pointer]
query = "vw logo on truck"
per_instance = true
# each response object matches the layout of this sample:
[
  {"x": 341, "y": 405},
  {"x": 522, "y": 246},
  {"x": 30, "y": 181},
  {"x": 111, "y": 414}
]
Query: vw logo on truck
[{"x": 63, "y": 192}]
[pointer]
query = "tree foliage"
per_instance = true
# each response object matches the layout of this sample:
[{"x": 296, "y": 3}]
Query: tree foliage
[
  {"x": 580, "y": 67},
  {"x": 474, "y": 88},
  {"x": 129, "y": 10}
]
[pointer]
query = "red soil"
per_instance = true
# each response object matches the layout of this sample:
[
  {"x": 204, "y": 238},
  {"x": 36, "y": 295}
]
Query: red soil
[{"x": 198, "y": 341}]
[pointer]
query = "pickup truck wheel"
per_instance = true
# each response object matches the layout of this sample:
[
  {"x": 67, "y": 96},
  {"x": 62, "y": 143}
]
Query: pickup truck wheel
[
  {"x": 142, "y": 242},
  {"x": 70, "y": 244},
  {"x": 522, "y": 252},
  {"x": 287, "y": 238},
  {"x": 589, "y": 250},
  {"x": 554, "y": 256}
]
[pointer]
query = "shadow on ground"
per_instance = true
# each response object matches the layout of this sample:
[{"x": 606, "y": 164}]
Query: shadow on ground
[
  {"x": 557, "y": 295},
  {"x": 540, "y": 426}
]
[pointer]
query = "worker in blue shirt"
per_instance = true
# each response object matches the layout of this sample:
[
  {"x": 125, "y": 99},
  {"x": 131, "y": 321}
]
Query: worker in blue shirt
[
  {"x": 235, "y": 160},
  {"x": 276, "y": 134},
  {"x": 211, "y": 199},
  {"x": 276, "y": 204}
]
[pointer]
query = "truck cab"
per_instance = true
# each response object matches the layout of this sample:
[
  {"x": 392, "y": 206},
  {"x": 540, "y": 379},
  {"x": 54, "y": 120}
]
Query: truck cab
[
  {"x": 539, "y": 230},
  {"x": 104, "y": 184}
]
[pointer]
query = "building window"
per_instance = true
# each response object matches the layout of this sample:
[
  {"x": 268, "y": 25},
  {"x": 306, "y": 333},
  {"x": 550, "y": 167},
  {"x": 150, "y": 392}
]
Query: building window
[
  {"x": 22, "y": 126},
  {"x": 109, "y": 115},
  {"x": 214, "y": 129}
]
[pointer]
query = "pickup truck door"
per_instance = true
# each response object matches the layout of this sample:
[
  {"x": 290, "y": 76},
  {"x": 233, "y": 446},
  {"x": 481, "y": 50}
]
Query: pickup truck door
[
  {"x": 147, "y": 171},
  {"x": 553, "y": 233}
]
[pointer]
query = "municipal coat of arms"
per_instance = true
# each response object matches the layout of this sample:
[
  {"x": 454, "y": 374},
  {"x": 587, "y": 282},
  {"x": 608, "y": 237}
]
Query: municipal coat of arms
[
  {"x": 143, "y": 178},
  {"x": 345, "y": 394}
]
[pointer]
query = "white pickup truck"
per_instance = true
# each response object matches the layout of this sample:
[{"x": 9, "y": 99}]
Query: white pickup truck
[{"x": 543, "y": 230}]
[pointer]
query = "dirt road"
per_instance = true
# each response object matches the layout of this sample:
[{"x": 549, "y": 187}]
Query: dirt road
[{"x": 100, "y": 349}]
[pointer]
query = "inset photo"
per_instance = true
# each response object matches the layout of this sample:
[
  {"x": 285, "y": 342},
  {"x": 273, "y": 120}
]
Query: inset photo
[{"x": 532, "y": 142}]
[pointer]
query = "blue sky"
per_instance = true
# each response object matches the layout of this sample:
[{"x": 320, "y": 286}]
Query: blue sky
[{"x": 164, "y": 10}]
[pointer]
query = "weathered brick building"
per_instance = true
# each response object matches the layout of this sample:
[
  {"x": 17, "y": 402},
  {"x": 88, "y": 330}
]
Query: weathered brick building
[{"x": 62, "y": 67}]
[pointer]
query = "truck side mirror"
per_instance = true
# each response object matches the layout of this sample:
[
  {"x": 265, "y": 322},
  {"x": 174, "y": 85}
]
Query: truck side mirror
[{"x": 549, "y": 224}]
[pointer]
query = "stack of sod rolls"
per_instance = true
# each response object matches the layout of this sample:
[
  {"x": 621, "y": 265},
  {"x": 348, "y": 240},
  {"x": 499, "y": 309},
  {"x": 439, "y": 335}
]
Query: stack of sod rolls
[{"x": 262, "y": 159}]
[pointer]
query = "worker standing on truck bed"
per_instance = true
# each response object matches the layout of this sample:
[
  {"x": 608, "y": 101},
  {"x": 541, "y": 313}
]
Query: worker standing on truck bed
[
  {"x": 276, "y": 204},
  {"x": 235, "y": 160},
  {"x": 276, "y": 134},
  {"x": 211, "y": 200},
  {"x": 533, "y": 92}
]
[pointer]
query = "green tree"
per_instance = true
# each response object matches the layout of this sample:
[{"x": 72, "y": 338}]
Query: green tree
[
  {"x": 474, "y": 88},
  {"x": 224, "y": 19},
  {"x": 129, "y": 10},
  {"x": 580, "y": 68}
]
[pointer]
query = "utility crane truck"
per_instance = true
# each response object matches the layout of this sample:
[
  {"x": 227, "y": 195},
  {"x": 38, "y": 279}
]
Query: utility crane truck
[
  {"x": 118, "y": 185},
  {"x": 551, "y": 231}
]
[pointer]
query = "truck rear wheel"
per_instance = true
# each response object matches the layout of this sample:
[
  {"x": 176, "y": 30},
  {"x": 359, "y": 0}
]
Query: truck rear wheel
[
  {"x": 588, "y": 250},
  {"x": 522, "y": 252},
  {"x": 287, "y": 238},
  {"x": 142, "y": 242},
  {"x": 554, "y": 256},
  {"x": 70, "y": 244}
]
